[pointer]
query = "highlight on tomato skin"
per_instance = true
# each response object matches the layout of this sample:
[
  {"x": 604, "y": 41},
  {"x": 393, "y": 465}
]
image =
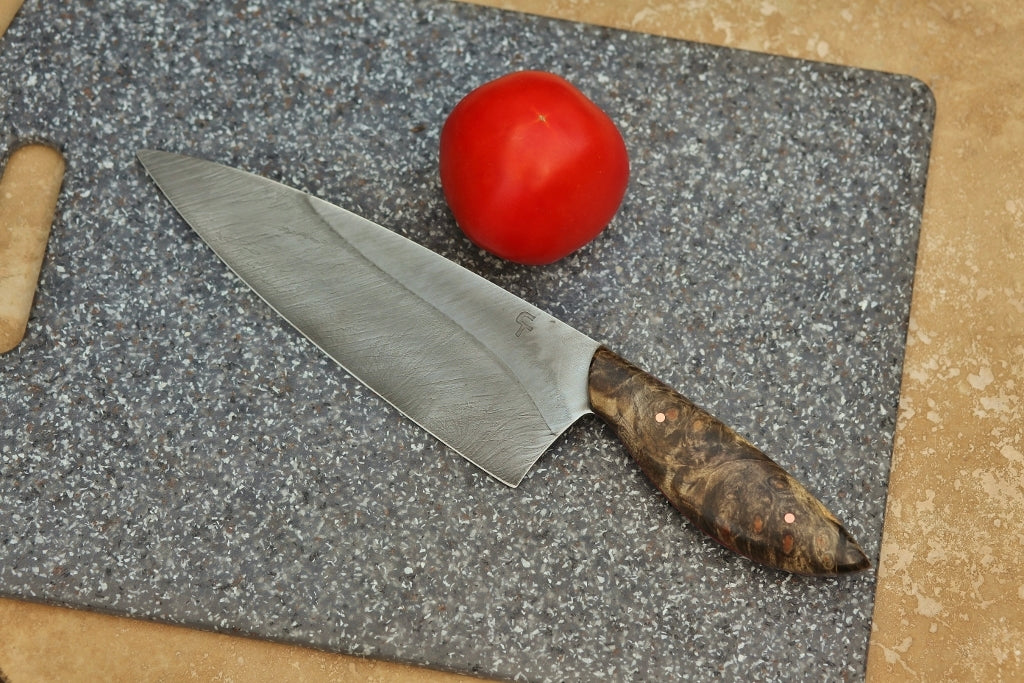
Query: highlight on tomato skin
[{"x": 531, "y": 168}]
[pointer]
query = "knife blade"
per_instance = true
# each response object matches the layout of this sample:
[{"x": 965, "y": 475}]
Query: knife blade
[{"x": 495, "y": 378}]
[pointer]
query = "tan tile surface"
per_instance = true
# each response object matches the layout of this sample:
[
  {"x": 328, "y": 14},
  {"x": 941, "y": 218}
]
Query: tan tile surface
[
  {"x": 950, "y": 603},
  {"x": 39, "y": 643},
  {"x": 29, "y": 188}
]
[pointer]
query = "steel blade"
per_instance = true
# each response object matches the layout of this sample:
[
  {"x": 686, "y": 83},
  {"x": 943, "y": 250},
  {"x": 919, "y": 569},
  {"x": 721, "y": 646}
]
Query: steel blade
[{"x": 490, "y": 375}]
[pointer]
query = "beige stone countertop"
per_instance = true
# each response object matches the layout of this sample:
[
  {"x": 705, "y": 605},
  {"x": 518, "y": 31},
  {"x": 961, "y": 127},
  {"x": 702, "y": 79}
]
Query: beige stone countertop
[{"x": 950, "y": 599}]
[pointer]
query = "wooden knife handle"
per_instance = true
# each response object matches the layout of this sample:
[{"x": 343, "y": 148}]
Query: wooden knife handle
[{"x": 716, "y": 478}]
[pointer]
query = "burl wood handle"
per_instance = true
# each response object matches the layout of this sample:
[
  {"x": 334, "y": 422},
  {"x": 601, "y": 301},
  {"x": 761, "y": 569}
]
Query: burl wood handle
[{"x": 716, "y": 478}]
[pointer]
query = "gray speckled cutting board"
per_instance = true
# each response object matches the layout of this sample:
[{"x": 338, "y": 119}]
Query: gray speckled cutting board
[{"x": 172, "y": 450}]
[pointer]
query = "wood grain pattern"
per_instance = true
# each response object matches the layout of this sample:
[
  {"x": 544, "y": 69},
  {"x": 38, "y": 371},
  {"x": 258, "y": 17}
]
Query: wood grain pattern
[{"x": 716, "y": 478}]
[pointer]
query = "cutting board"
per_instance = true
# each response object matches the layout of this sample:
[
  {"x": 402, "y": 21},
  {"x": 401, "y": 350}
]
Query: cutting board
[{"x": 171, "y": 450}]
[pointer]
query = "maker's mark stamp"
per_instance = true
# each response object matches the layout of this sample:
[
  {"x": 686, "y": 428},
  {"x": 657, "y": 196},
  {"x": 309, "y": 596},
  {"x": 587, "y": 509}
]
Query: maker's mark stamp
[{"x": 524, "y": 319}]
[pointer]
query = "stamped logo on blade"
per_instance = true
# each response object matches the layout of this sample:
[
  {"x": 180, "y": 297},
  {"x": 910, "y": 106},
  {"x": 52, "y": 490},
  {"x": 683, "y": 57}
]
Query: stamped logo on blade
[{"x": 524, "y": 319}]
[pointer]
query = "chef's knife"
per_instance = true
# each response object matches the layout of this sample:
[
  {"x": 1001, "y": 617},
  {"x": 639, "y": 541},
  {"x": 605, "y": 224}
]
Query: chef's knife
[{"x": 493, "y": 377}]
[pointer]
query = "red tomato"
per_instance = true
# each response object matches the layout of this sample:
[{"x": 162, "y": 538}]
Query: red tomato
[{"x": 531, "y": 168}]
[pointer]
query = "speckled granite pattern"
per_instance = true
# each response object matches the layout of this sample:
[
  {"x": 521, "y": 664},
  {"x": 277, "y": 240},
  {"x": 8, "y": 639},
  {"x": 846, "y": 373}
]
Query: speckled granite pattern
[{"x": 172, "y": 450}]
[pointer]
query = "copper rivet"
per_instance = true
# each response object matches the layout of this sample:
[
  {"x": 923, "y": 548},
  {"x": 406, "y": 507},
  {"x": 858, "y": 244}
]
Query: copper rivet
[
  {"x": 660, "y": 417},
  {"x": 790, "y": 518}
]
